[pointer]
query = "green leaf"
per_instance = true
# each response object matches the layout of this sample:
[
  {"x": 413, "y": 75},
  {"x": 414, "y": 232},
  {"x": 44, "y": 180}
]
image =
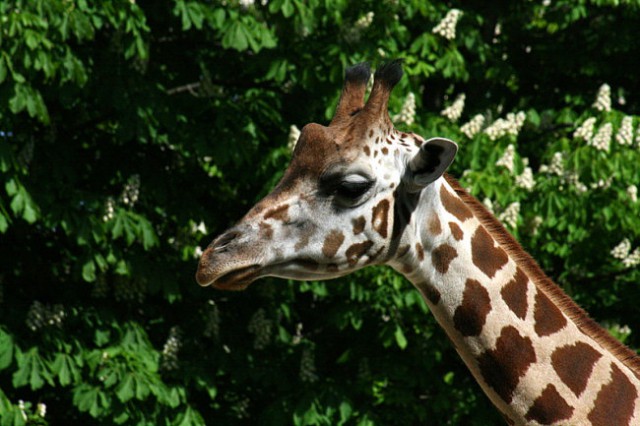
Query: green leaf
[
  {"x": 149, "y": 238},
  {"x": 31, "y": 370},
  {"x": 189, "y": 418},
  {"x": 126, "y": 388},
  {"x": 65, "y": 368},
  {"x": 235, "y": 36},
  {"x": 4, "y": 223},
  {"x": 89, "y": 399},
  {"x": 6, "y": 349},
  {"x": 3, "y": 69},
  {"x": 195, "y": 14},
  {"x": 400, "y": 339},
  {"x": 345, "y": 412},
  {"x": 89, "y": 271},
  {"x": 122, "y": 268}
]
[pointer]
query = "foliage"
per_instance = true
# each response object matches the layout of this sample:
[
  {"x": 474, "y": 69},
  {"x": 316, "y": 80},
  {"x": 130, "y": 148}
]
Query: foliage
[{"x": 131, "y": 133}]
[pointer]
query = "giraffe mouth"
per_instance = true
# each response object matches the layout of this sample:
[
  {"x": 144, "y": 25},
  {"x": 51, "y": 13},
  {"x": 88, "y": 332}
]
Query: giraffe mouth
[{"x": 238, "y": 279}]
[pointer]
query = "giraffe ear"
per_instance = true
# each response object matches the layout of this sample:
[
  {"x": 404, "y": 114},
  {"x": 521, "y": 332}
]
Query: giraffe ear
[{"x": 434, "y": 157}]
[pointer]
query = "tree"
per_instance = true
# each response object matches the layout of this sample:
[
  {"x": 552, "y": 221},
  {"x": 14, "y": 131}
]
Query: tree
[{"x": 132, "y": 132}]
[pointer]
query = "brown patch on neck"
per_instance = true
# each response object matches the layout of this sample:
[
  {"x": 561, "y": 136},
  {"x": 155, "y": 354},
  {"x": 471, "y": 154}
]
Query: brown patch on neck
[
  {"x": 454, "y": 205},
  {"x": 548, "y": 318},
  {"x": 456, "y": 231},
  {"x": 503, "y": 366},
  {"x": 469, "y": 318},
  {"x": 574, "y": 365},
  {"x": 435, "y": 228},
  {"x": 544, "y": 283},
  {"x": 442, "y": 256},
  {"x": 550, "y": 407},
  {"x": 615, "y": 402},
  {"x": 484, "y": 253},
  {"x": 514, "y": 294}
]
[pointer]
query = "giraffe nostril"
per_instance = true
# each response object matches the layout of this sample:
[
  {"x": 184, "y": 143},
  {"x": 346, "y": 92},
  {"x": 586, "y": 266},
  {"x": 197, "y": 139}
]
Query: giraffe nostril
[{"x": 224, "y": 240}]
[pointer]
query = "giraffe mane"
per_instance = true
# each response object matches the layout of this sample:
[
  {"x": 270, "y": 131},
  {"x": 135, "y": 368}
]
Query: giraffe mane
[{"x": 544, "y": 283}]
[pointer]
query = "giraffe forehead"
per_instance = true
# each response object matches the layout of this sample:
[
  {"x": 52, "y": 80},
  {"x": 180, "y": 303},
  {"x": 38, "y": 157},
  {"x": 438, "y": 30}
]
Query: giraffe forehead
[{"x": 319, "y": 148}]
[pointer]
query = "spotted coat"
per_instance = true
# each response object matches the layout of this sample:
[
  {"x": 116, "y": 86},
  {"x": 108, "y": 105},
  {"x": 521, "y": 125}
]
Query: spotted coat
[{"x": 360, "y": 192}]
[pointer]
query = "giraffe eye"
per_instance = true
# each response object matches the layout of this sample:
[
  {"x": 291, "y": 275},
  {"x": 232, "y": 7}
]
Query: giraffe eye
[{"x": 352, "y": 188}]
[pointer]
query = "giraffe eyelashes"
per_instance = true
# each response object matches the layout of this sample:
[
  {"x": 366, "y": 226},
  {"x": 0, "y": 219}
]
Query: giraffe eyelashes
[
  {"x": 352, "y": 190},
  {"x": 349, "y": 190}
]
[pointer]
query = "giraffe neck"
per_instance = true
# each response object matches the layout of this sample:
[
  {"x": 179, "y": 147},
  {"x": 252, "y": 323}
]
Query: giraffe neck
[{"x": 537, "y": 356}]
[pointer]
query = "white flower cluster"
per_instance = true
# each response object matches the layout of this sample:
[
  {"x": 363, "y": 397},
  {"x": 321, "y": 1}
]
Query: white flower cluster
[
  {"x": 602, "y": 183},
  {"x": 622, "y": 331},
  {"x": 297, "y": 338},
  {"x": 557, "y": 165},
  {"x": 211, "y": 320},
  {"x": 534, "y": 224},
  {"x": 246, "y": 3},
  {"x": 109, "y": 209},
  {"x": 354, "y": 33},
  {"x": 41, "y": 411},
  {"x": 625, "y": 133},
  {"x": 197, "y": 252},
  {"x": 602, "y": 139},
  {"x": 131, "y": 191},
  {"x": 507, "y": 158},
  {"x": 365, "y": 21},
  {"x": 40, "y": 316},
  {"x": 473, "y": 126},
  {"x": 633, "y": 259},
  {"x": 510, "y": 215},
  {"x": 241, "y": 408},
  {"x": 488, "y": 204},
  {"x": 632, "y": 192},
  {"x": 129, "y": 290},
  {"x": 526, "y": 180},
  {"x": 447, "y": 27},
  {"x": 510, "y": 125},
  {"x": 200, "y": 227},
  {"x": 454, "y": 111},
  {"x": 294, "y": 134},
  {"x": 408, "y": 111},
  {"x": 261, "y": 328},
  {"x": 308, "y": 367},
  {"x": 603, "y": 99},
  {"x": 585, "y": 131},
  {"x": 621, "y": 251},
  {"x": 22, "y": 408},
  {"x": 171, "y": 350},
  {"x": 572, "y": 179}
]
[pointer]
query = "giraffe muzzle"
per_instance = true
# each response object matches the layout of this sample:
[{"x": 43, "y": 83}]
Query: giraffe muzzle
[{"x": 222, "y": 265}]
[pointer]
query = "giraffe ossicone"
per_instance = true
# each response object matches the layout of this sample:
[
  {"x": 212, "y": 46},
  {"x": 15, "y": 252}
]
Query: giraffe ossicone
[{"x": 359, "y": 192}]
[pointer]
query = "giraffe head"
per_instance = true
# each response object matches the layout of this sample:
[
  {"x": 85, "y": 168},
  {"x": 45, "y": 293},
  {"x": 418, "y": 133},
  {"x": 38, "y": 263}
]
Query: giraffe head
[{"x": 336, "y": 208}]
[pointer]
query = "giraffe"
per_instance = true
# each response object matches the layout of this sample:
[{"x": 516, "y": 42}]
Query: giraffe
[{"x": 359, "y": 192}]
